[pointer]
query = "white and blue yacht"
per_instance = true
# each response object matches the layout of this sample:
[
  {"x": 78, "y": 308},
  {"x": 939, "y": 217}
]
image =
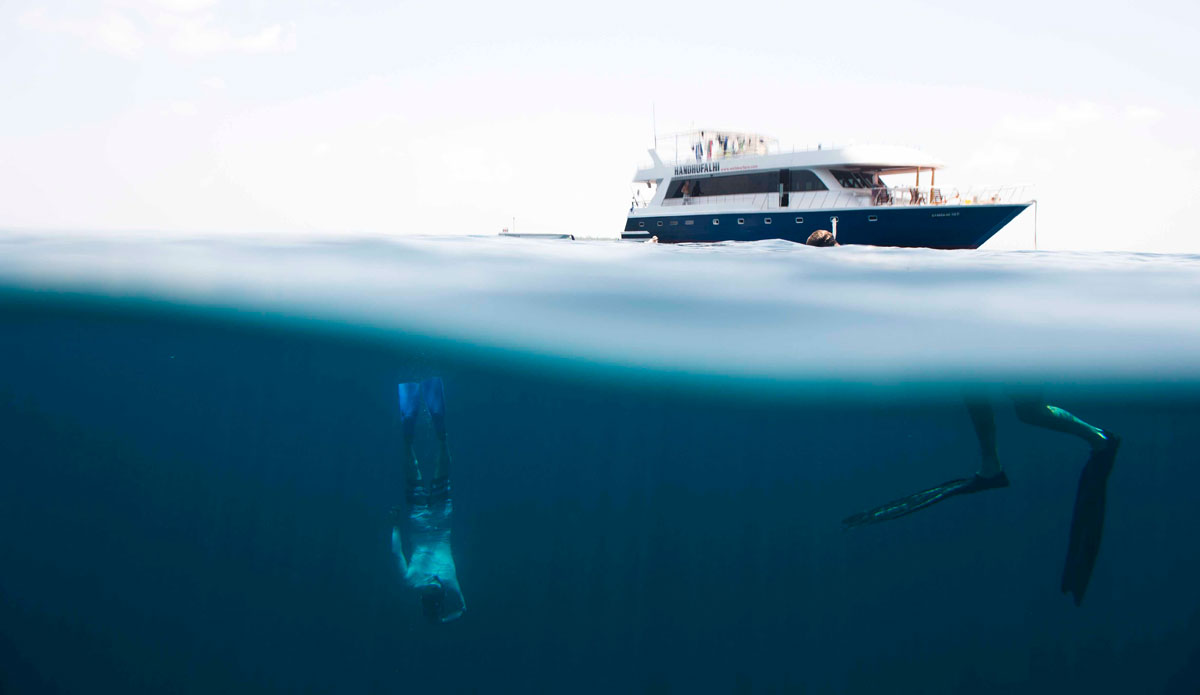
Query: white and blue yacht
[{"x": 732, "y": 186}]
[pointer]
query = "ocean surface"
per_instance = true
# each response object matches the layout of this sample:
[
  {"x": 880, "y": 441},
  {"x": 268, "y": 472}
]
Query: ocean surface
[{"x": 653, "y": 451}]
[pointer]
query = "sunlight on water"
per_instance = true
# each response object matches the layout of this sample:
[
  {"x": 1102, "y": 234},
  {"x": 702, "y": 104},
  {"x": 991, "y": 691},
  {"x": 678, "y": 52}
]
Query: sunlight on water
[{"x": 762, "y": 310}]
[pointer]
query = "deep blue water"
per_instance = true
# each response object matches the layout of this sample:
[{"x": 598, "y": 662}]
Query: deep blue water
[{"x": 197, "y": 485}]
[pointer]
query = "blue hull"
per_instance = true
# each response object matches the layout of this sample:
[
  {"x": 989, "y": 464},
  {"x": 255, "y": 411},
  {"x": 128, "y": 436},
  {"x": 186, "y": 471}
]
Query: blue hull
[{"x": 937, "y": 227}]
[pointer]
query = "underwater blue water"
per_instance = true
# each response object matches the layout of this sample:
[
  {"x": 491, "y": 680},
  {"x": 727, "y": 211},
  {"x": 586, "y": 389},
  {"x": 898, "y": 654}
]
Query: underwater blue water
[{"x": 653, "y": 450}]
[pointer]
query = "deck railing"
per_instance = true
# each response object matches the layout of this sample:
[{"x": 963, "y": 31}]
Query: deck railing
[
  {"x": 681, "y": 155},
  {"x": 893, "y": 196}
]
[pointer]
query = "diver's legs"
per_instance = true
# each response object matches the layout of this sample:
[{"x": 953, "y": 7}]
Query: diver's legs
[
  {"x": 409, "y": 399},
  {"x": 1041, "y": 414},
  {"x": 408, "y": 459},
  {"x": 984, "y": 420},
  {"x": 433, "y": 391},
  {"x": 442, "y": 471}
]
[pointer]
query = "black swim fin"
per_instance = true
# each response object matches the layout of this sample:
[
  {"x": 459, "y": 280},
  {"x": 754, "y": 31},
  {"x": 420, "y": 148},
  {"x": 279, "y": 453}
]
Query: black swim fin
[
  {"x": 1087, "y": 523},
  {"x": 926, "y": 498}
]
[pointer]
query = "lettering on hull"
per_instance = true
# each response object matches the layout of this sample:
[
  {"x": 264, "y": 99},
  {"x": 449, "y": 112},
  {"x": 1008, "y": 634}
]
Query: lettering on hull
[{"x": 704, "y": 168}]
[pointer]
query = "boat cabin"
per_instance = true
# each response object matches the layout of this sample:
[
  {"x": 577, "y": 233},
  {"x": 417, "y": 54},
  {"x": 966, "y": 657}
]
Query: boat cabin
[{"x": 725, "y": 167}]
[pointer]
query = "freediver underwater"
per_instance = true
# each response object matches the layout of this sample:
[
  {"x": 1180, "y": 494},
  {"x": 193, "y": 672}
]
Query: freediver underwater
[
  {"x": 1087, "y": 521},
  {"x": 429, "y": 568}
]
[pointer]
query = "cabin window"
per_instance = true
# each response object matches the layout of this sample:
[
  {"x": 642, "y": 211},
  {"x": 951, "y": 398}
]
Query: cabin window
[
  {"x": 856, "y": 179},
  {"x": 803, "y": 180},
  {"x": 741, "y": 220},
  {"x": 660, "y": 223},
  {"x": 767, "y": 220},
  {"x": 641, "y": 224},
  {"x": 799, "y": 220},
  {"x": 792, "y": 180},
  {"x": 716, "y": 221},
  {"x": 729, "y": 184},
  {"x": 872, "y": 218},
  {"x": 688, "y": 222}
]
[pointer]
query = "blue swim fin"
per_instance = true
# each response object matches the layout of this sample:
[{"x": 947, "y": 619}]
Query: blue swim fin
[
  {"x": 410, "y": 400},
  {"x": 435, "y": 399}
]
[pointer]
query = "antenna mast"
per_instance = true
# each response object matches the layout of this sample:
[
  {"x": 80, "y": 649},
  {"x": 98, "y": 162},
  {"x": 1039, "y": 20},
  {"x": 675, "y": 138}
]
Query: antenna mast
[{"x": 654, "y": 123}]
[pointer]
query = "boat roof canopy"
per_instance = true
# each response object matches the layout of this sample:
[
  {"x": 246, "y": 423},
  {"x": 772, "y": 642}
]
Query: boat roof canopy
[
  {"x": 885, "y": 159},
  {"x": 882, "y": 159}
]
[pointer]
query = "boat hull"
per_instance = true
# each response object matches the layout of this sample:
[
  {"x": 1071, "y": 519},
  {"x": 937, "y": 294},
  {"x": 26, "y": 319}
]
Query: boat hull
[{"x": 937, "y": 227}]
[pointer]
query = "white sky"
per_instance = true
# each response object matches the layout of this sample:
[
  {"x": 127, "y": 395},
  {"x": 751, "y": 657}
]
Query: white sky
[{"x": 394, "y": 118}]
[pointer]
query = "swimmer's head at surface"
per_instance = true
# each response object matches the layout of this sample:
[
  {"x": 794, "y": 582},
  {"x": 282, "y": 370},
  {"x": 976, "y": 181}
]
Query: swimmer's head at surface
[{"x": 821, "y": 237}]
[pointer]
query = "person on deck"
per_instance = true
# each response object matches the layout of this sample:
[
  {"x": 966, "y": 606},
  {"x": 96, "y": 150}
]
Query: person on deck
[{"x": 430, "y": 567}]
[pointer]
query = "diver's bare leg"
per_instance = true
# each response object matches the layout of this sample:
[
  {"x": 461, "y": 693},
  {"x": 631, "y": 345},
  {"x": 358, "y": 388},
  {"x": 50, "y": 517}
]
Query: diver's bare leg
[
  {"x": 409, "y": 394},
  {"x": 984, "y": 420},
  {"x": 442, "y": 471},
  {"x": 433, "y": 391},
  {"x": 1041, "y": 414},
  {"x": 408, "y": 458}
]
